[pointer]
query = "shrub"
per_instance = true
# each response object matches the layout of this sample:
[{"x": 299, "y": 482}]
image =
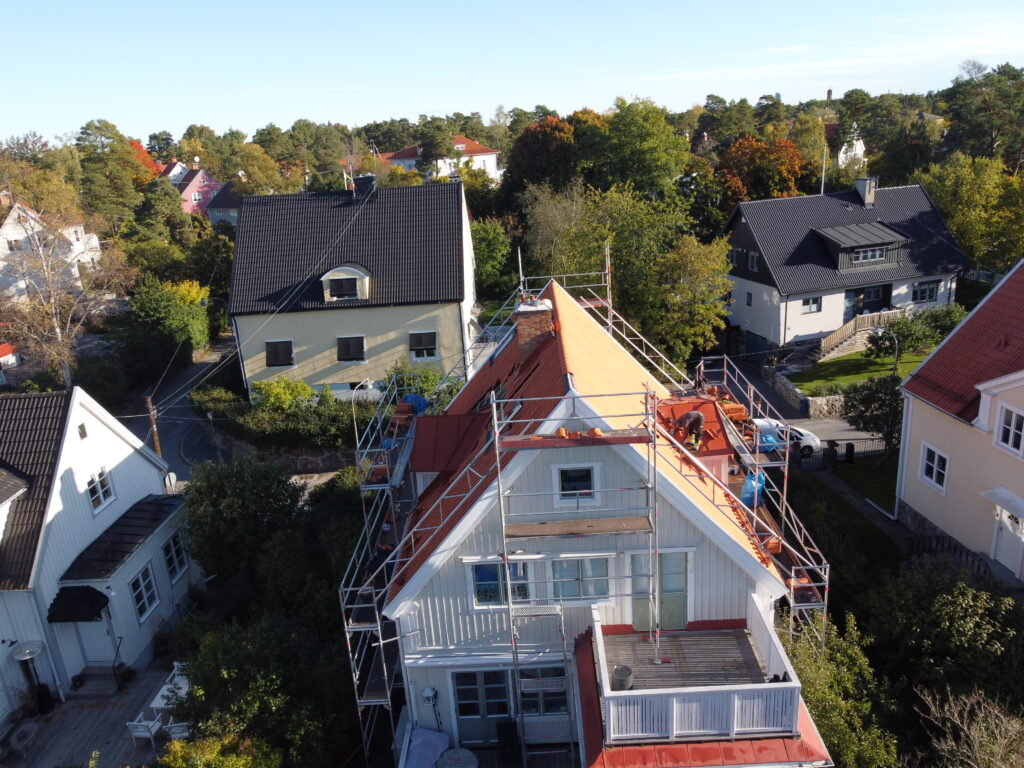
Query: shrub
[
  {"x": 281, "y": 394},
  {"x": 943, "y": 319}
]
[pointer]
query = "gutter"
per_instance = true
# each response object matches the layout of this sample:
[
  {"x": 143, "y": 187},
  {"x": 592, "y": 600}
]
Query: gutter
[{"x": 907, "y": 407}]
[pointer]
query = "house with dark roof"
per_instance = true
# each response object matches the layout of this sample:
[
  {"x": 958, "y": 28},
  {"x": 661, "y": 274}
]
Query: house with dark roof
[
  {"x": 336, "y": 288},
  {"x": 92, "y": 563},
  {"x": 961, "y": 470},
  {"x": 805, "y": 267},
  {"x": 224, "y": 206},
  {"x": 571, "y": 578},
  {"x": 465, "y": 152}
]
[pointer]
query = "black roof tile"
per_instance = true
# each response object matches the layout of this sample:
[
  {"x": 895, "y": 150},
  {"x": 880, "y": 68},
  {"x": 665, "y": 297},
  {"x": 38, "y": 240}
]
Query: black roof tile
[
  {"x": 225, "y": 198},
  {"x": 799, "y": 259},
  {"x": 409, "y": 239},
  {"x": 31, "y": 428},
  {"x": 11, "y": 484}
]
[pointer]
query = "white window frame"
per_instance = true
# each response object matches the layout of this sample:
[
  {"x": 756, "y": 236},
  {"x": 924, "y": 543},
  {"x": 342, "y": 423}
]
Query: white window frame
[
  {"x": 567, "y": 692},
  {"x": 578, "y": 501},
  {"x": 197, "y": 197},
  {"x": 174, "y": 552},
  {"x": 350, "y": 362},
  {"x": 1018, "y": 415},
  {"x": 627, "y": 577},
  {"x": 609, "y": 578},
  {"x": 277, "y": 367},
  {"x": 501, "y": 605},
  {"x": 752, "y": 257},
  {"x": 350, "y": 272},
  {"x": 872, "y": 297},
  {"x": 437, "y": 346},
  {"x": 922, "y": 469},
  {"x": 927, "y": 286},
  {"x": 862, "y": 255},
  {"x": 100, "y": 487},
  {"x": 151, "y": 602},
  {"x": 734, "y": 257},
  {"x": 811, "y": 305}
]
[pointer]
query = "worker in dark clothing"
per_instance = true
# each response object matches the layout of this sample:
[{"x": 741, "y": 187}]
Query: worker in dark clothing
[{"x": 691, "y": 425}]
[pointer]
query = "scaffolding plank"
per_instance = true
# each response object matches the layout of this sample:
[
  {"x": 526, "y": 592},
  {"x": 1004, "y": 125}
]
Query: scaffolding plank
[
  {"x": 610, "y": 437},
  {"x": 579, "y": 527}
]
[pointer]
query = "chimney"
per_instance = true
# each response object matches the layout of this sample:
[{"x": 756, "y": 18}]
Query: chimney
[
  {"x": 533, "y": 323},
  {"x": 365, "y": 185},
  {"x": 866, "y": 186}
]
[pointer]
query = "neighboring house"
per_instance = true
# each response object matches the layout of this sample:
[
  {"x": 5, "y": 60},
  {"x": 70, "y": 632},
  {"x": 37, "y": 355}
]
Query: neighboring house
[
  {"x": 466, "y": 152},
  {"x": 224, "y": 206},
  {"x": 9, "y": 358},
  {"x": 92, "y": 563},
  {"x": 23, "y": 232},
  {"x": 173, "y": 171},
  {"x": 197, "y": 188},
  {"x": 851, "y": 147},
  {"x": 540, "y": 495},
  {"x": 961, "y": 469},
  {"x": 336, "y": 288},
  {"x": 804, "y": 268}
]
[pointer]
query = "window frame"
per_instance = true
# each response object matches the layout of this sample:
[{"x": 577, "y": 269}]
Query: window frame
[
  {"x": 873, "y": 288},
  {"x": 346, "y": 296},
  {"x": 197, "y": 197},
  {"x": 540, "y": 695},
  {"x": 266, "y": 353},
  {"x": 752, "y": 261},
  {"x": 560, "y": 501},
  {"x": 350, "y": 361},
  {"x": 927, "y": 286},
  {"x": 750, "y": 299},
  {"x": 925, "y": 463},
  {"x": 99, "y": 488},
  {"x": 523, "y": 579},
  {"x": 1016, "y": 427},
  {"x": 413, "y": 350},
  {"x": 174, "y": 551},
  {"x": 581, "y": 580},
  {"x": 869, "y": 255},
  {"x": 811, "y": 305},
  {"x": 150, "y": 606}
]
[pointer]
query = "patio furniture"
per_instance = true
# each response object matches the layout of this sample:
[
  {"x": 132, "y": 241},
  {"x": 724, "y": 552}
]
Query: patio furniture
[
  {"x": 179, "y": 730},
  {"x": 164, "y": 698},
  {"x": 139, "y": 728}
]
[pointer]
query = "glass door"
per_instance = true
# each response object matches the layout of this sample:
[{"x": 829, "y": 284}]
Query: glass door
[{"x": 481, "y": 701}]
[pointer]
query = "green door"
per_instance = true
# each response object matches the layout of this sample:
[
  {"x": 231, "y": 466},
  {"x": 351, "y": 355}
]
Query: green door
[
  {"x": 481, "y": 701},
  {"x": 672, "y": 575}
]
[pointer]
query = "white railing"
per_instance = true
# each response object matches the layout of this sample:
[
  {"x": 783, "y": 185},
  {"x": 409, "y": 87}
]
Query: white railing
[
  {"x": 768, "y": 644},
  {"x": 672, "y": 714}
]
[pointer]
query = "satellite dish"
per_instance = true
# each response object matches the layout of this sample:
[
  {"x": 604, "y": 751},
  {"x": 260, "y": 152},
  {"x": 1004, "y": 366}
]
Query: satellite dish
[{"x": 195, "y": 159}]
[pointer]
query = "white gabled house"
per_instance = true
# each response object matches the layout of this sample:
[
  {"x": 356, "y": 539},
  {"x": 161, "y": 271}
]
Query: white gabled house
[
  {"x": 92, "y": 563},
  {"x": 569, "y": 576}
]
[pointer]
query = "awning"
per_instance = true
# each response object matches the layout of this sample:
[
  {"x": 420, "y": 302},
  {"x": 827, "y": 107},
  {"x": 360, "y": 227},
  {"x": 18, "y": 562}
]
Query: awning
[
  {"x": 81, "y": 603},
  {"x": 1008, "y": 500}
]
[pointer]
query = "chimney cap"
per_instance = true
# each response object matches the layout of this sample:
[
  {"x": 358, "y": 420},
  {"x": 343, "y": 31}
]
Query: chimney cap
[{"x": 528, "y": 303}]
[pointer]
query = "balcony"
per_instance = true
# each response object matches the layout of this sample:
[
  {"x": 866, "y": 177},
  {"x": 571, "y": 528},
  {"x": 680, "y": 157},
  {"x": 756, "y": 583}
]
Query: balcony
[{"x": 707, "y": 685}]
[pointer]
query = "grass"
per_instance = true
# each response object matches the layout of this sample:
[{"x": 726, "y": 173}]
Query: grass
[
  {"x": 855, "y": 367},
  {"x": 871, "y": 481}
]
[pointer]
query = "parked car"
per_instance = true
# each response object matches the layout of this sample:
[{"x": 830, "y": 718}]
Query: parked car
[{"x": 806, "y": 442}]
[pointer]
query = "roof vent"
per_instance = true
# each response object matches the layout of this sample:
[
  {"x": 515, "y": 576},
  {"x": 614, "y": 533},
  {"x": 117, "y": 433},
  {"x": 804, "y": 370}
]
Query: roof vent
[{"x": 866, "y": 186}]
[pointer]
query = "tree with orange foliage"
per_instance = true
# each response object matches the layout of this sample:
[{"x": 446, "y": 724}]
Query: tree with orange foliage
[
  {"x": 544, "y": 153},
  {"x": 751, "y": 169},
  {"x": 147, "y": 162}
]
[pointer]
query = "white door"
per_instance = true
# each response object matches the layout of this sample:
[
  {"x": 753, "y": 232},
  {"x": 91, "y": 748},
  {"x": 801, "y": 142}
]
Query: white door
[
  {"x": 1009, "y": 547},
  {"x": 97, "y": 640}
]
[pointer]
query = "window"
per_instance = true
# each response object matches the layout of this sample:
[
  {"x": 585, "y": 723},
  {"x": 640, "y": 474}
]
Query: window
[
  {"x": 575, "y": 485},
  {"x": 734, "y": 258},
  {"x": 580, "y": 578},
  {"x": 489, "y": 583},
  {"x": 750, "y": 299},
  {"x": 14, "y": 244},
  {"x": 423, "y": 345},
  {"x": 1011, "y": 429},
  {"x": 344, "y": 288},
  {"x": 922, "y": 292},
  {"x": 99, "y": 489},
  {"x": 78, "y": 235},
  {"x": 174, "y": 556},
  {"x": 867, "y": 254},
  {"x": 543, "y": 690},
  {"x": 82, "y": 434},
  {"x": 811, "y": 305},
  {"x": 350, "y": 349},
  {"x": 752, "y": 261},
  {"x": 197, "y": 197},
  {"x": 934, "y": 467},
  {"x": 144, "y": 593},
  {"x": 874, "y": 293},
  {"x": 279, "y": 353}
]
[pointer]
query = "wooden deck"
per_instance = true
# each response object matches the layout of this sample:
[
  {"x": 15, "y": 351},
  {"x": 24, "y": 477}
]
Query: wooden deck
[
  {"x": 714, "y": 657},
  {"x": 489, "y": 758},
  {"x": 74, "y": 730},
  {"x": 578, "y": 527}
]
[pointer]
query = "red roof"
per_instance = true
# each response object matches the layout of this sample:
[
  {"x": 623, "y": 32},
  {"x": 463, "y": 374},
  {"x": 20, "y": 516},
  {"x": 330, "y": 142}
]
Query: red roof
[
  {"x": 805, "y": 749},
  {"x": 987, "y": 345},
  {"x": 6, "y": 349},
  {"x": 441, "y": 441},
  {"x": 715, "y": 441},
  {"x": 470, "y": 147}
]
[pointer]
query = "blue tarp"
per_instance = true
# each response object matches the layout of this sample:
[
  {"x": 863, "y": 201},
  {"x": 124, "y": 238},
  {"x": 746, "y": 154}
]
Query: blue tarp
[
  {"x": 418, "y": 402},
  {"x": 747, "y": 494}
]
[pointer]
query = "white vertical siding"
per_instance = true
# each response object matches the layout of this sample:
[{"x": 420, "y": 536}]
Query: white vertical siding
[{"x": 763, "y": 316}]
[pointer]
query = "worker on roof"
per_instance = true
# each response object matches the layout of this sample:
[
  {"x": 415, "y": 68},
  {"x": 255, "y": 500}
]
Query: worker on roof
[{"x": 691, "y": 426}]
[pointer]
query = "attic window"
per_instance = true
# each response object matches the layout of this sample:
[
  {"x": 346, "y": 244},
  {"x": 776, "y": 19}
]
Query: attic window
[
  {"x": 862, "y": 255},
  {"x": 344, "y": 288},
  {"x": 346, "y": 283},
  {"x": 82, "y": 434},
  {"x": 460, "y": 147},
  {"x": 752, "y": 260}
]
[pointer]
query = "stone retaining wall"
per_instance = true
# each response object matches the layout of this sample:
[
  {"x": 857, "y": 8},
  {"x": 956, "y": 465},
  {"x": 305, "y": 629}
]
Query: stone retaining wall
[
  {"x": 828, "y": 407},
  {"x": 302, "y": 461}
]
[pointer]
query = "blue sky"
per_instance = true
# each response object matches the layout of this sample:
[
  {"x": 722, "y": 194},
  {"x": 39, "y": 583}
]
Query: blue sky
[{"x": 239, "y": 65}]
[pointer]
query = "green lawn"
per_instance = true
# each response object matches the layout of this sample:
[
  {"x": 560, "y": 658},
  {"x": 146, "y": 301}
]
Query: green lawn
[
  {"x": 870, "y": 480},
  {"x": 850, "y": 368}
]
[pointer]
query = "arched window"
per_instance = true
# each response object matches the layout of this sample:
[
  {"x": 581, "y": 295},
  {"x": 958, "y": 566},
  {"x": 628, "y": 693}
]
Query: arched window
[{"x": 346, "y": 283}]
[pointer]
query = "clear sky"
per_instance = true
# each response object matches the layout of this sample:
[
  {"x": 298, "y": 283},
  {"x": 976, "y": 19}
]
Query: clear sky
[{"x": 149, "y": 67}]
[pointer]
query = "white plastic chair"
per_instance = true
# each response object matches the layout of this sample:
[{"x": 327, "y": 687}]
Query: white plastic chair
[
  {"x": 140, "y": 728},
  {"x": 178, "y": 730}
]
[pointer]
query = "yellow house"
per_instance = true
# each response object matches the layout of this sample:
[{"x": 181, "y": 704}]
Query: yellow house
[
  {"x": 961, "y": 469},
  {"x": 336, "y": 288}
]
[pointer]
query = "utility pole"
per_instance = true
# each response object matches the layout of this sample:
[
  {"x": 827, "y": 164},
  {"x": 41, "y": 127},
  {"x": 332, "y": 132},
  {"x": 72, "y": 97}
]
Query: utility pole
[{"x": 152, "y": 426}]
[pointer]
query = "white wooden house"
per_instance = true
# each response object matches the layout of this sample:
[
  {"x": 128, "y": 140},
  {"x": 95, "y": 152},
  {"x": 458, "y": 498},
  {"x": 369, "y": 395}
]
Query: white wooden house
[
  {"x": 587, "y": 528},
  {"x": 92, "y": 563}
]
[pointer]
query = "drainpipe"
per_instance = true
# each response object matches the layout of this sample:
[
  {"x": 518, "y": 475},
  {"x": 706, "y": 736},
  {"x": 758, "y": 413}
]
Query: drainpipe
[{"x": 907, "y": 405}]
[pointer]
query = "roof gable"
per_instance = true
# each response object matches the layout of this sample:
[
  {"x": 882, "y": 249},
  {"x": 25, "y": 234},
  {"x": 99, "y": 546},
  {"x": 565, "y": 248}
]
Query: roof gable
[{"x": 988, "y": 344}]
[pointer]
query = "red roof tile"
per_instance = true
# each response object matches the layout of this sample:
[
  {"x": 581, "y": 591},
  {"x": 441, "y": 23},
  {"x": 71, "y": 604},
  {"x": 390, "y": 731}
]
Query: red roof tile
[
  {"x": 6, "y": 349},
  {"x": 988, "y": 344},
  {"x": 470, "y": 148}
]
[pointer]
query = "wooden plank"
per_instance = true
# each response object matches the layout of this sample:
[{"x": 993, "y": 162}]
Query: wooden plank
[
  {"x": 611, "y": 437},
  {"x": 579, "y": 527}
]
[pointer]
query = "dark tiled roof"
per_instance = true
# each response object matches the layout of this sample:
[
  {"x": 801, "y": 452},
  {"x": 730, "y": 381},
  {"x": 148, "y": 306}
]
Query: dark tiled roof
[
  {"x": 987, "y": 345},
  {"x": 31, "y": 428},
  {"x": 187, "y": 179},
  {"x": 122, "y": 538},
  {"x": 799, "y": 259},
  {"x": 409, "y": 240},
  {"x": 858, "y": 235},
  {"x": 11, "y": 484},
  {"x": 225, "y": 198}
]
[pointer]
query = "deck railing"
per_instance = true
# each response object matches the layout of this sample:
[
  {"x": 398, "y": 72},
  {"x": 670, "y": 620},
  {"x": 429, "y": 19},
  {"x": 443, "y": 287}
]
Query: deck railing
[
  {"x": 858, "y": 323},
  {"x": 715, "y": 711}
]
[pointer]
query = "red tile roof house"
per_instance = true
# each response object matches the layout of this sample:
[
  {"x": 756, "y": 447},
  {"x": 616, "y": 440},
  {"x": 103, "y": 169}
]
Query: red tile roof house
[
  {"x": 467, "y": 151},
  {"x": 961, "y": 470},
  {"x": 641, "y": 591}
]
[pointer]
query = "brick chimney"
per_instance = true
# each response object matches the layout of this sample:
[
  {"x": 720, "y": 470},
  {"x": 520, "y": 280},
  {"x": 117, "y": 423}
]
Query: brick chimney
[
  {"x": 865, "y": 187},
  {"x": 533, "y": 324}
]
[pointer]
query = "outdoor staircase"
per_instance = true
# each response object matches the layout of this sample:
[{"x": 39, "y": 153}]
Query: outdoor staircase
[
  {"x": 852, "y": 336},
  {"x": 97, "y": 683},
  {"x": 855, "y": 343}
]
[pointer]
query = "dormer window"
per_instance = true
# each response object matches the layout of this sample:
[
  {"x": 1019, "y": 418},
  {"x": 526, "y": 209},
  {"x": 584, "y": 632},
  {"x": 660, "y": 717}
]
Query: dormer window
[
  {"x": 460, "y": 147},
  {"x": 345, "y": 284},
  {"x": 344, "y": 288},
  {"x": 862, "y": 255}
]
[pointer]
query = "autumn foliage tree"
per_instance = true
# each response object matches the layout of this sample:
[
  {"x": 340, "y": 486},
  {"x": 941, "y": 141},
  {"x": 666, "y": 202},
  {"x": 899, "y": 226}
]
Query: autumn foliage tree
[
  {"x": 148, "y": 163},
  {"x": 544, "y": 153},
  {"x": 754, "y": 170}
]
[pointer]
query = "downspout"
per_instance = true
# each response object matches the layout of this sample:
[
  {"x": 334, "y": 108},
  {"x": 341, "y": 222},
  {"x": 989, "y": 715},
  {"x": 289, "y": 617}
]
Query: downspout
[
  {"x": 785, "y": 318},
  {"x": 907, "y": 406}
]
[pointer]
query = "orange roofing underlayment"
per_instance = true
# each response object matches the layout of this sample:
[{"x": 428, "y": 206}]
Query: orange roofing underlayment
[
  {"x": 579, "y": 354},
  {"x": 807, "y": 749}
]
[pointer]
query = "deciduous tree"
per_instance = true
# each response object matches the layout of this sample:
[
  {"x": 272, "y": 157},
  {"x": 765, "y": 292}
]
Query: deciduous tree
[
  {"x": 875, "y": 406},
  {"x": 754, "y": 170},
  {"x": 491, "y": 249}
]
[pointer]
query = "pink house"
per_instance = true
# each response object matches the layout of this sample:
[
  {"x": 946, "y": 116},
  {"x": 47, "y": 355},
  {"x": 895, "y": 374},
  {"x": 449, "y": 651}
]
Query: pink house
[{"x": 197, "y": 188}]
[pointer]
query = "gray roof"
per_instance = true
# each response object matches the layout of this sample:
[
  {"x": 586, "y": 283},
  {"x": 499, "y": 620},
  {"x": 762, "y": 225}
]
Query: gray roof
[
  {"x": 799, "y": 258},
  {"x": 225, "y": 199},
  {"x": 11, "y": 484},
  {"x": 129, "y": 532},
  {"x": 409, "y": 240},
  {"x": 861, "y": 235},
  {"x": 31, "y": 429}
]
